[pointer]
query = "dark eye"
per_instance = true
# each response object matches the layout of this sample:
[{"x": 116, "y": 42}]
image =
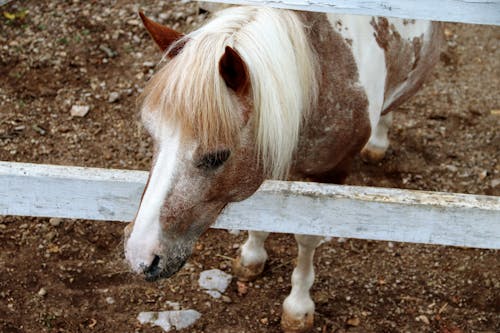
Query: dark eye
[{"x": 213, "y": 160}]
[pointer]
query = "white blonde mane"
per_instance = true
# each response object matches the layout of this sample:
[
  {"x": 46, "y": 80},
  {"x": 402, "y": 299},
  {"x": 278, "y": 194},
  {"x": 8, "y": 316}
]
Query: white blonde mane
[{"x": 282, "y": 68}]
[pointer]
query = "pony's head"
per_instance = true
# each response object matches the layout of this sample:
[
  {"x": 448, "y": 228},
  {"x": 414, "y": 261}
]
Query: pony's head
[{"x": 210, "y": 147}]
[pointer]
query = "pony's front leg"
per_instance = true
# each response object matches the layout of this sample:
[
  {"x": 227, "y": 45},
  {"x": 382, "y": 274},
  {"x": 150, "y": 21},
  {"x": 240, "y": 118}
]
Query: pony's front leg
[
  {"x": 298, "y": 308},
  {"x": 253, "y": 256}
]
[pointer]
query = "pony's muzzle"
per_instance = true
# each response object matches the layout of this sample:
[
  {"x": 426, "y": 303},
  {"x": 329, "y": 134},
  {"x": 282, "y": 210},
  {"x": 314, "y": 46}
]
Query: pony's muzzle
[{"x": 155, "y": 270}]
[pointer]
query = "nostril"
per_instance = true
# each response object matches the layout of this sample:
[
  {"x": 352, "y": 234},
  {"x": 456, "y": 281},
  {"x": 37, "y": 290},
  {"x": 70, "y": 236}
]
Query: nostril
[
  {"x": 156, "y": 261},
  {"x": 153, "y": 271}
]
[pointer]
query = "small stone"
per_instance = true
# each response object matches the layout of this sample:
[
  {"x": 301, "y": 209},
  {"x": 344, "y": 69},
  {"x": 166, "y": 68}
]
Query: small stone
[
  {"x": 242, "y": 288},
  {"x": 423, "y": 318},
  {"x": 148, "y": 64},
  {"x": 226, "y": 299},
  {"x": 23, "y": 226},
  {"x": 2, "y": 226},
  {"x": 264, "y": 321},
  {"x": 110, "y": 300},
  {"x": 114, "y": 97},
  {"x": 353, "y": 321},
  {"x": 133, "y": 22},
  {"x": 174, "y": 305},
  {"x": 79, "y": 110},
  {"x": 495, "y": 182},
  {"x": 50, "y": 236},
  {"x": 55, "y": 222},
  {"x": 42, "y": 292}
]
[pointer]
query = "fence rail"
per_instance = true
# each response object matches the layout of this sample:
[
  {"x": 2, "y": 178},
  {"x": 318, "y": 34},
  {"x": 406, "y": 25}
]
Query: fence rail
[
  {"x": 292, "y": 207},
  {"x": 465, "y": 11}
]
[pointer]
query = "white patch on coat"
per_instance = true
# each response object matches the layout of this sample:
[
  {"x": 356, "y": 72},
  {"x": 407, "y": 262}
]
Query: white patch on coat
[
  {"x": 369, "y": 58},
  {"x": 145, "y": 238},
  {"x": 408, "y": 31}
]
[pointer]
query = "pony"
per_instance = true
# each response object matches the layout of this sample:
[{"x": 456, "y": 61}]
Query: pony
[{"x": 260, "y": 93}]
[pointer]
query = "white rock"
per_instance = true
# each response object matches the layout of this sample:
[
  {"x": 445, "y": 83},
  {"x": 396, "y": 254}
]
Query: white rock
[
  {"x": 79, "y": 110},
  {"x": 42, "y": 292},
  {"x": 170, "y": 319},
  {"x": 214, "y": 281},
  {"x": 55, "y": 222},
  {"x": 234, "y": 232},
  {"x": 110, "y": 300},
  {"x": 113, "y": 97}
]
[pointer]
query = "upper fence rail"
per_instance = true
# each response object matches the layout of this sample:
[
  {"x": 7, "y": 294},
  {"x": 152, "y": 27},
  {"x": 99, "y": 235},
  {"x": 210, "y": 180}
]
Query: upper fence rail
[{"x": 464, "y": 11}]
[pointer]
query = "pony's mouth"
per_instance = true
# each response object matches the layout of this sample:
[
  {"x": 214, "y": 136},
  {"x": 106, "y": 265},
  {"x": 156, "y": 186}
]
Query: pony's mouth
[{"x": 163, "y": 267}]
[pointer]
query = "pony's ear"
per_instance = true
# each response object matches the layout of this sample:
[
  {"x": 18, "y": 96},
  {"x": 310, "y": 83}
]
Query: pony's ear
[
  {"x": 234, "y": 71},
  {"x": 162, "y": 35}
]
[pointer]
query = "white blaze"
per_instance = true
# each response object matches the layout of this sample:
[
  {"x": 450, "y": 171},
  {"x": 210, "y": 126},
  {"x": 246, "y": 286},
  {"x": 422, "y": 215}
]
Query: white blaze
[{"x": 144, "y": 241}]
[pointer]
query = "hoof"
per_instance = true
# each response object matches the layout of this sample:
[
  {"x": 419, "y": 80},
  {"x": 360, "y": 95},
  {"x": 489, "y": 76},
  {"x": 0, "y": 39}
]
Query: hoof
[
  {"x": 247, "y": 273},
  {"x": 294, "y": 325},
  {"x": 372, "y": 154}
]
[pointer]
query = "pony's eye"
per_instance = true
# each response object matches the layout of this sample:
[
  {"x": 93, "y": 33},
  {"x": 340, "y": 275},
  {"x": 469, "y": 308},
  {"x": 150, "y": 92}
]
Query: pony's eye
[{"x": 213, "y": 160}]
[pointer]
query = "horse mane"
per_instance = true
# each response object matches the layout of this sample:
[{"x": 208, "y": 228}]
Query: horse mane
[{"x": 282, "y": 69}]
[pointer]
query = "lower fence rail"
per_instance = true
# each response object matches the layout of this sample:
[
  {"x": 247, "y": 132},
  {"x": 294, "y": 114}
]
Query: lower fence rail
[{"x": 278, "y": 206}]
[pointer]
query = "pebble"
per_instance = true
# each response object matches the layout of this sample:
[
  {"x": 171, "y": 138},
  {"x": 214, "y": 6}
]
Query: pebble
[
  {"x": 423, "y": 318},
  {"x": 114, "y": 97},
  {"x": 42, "y": 292},
  {"x": 353, "y": 321},
  {"x": 79, "y": 110},
  {"x": 110, "y": 300},
  {"x": 133, "y": 22},
  {"x": 226, "y": 299},
  {"x": 242, "y": 288},
  {"x": 174, "y": 305},
  {"x": 2, "y": 226},
  {"x": 55, "y": 222}
]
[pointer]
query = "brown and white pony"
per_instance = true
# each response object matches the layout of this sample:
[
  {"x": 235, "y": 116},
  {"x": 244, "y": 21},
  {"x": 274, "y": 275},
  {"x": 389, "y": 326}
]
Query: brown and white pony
[{"x": 260, "y": 93}]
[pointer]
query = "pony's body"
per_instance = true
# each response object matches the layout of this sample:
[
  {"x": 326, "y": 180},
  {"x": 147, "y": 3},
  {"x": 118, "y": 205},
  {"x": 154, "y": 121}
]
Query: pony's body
[{"x": 261, "y": 93}]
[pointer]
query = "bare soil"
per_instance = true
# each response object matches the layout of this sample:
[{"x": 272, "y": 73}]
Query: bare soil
[{"x": 69, "y": 275}]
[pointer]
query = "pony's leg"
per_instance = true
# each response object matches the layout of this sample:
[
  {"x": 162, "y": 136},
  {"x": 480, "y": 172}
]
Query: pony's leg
[
  {"x": 298, "y": 308},
  {"x": 374, "y": 150},
  {"x": 252, "y": 258}
]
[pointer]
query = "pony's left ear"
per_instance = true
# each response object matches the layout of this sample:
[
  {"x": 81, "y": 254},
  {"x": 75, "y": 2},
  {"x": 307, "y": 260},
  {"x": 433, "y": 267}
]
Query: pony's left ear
[
  {"x": 162, "y": 35},
  {"x": 234, "y": 71}
]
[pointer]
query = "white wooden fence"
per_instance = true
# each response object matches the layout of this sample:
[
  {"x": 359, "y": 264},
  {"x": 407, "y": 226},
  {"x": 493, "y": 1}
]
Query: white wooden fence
[
  {"x": 293, "y": 207},
  {"x": 465, "y": 11}
]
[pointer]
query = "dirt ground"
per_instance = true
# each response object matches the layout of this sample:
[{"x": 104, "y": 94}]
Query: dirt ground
[{"x": 69, "y": 275}]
